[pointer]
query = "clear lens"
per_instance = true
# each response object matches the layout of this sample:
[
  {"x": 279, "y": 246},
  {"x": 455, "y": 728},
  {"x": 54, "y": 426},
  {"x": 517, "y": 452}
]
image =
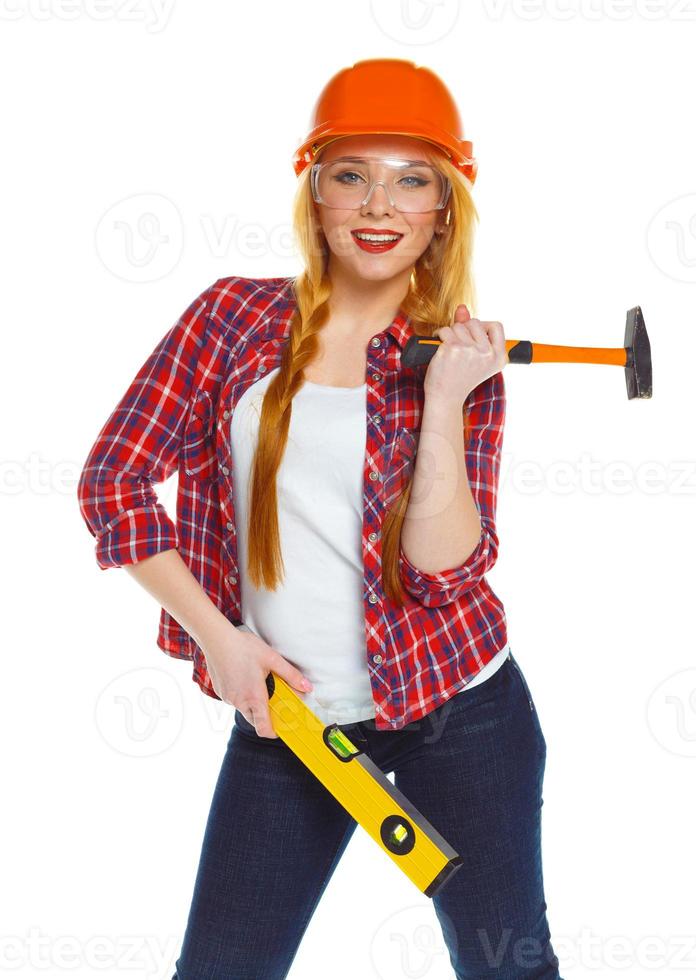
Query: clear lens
[{"x": 413, "y": 187}]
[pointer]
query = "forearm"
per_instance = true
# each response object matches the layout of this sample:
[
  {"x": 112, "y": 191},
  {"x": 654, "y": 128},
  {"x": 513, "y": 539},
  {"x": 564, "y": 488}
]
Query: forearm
[
  {"x": 442, "y": 525},
  {"x": 167, "y": 578}
]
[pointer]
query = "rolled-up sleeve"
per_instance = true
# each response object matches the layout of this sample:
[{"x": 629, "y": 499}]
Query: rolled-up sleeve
[
  {"x": 486, "y": 406},
  {"x": 138, "y": 447}
]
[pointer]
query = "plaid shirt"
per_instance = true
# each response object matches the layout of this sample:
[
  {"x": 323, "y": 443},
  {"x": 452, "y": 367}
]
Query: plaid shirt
[{"x": 175, "y": 416}]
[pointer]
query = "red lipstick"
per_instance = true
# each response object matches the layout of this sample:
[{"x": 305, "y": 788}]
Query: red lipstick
[{"x": 376, "y": 246}]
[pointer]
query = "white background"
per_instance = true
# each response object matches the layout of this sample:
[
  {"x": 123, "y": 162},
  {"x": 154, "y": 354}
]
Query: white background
[{"x": 582, "y": 121}]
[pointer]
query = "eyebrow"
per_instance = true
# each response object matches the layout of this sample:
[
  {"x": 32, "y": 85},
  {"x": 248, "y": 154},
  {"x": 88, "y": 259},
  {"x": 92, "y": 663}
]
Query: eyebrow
[{"x": 364, "y": 160}]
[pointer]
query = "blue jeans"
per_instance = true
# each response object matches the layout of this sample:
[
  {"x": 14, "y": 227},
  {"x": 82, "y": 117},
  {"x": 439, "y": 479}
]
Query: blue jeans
[{"x": 474, "y": 767}]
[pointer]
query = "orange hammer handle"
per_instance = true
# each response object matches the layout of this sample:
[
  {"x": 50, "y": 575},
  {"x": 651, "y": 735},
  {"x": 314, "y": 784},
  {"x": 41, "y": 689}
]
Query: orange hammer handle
[
  {"x": 557, "y": 352},
  {"x": 586, "y": 355}
]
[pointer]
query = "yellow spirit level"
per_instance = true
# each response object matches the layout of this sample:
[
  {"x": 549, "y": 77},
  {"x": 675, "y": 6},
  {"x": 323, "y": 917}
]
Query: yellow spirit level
[{"x": 363, "y": 789}]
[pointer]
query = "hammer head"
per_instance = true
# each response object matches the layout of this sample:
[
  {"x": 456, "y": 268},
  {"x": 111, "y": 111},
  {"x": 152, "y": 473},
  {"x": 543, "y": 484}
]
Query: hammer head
[{"x": 638, "y": 361}]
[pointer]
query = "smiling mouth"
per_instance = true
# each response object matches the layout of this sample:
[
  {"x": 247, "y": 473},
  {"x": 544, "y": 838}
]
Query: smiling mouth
[{"x": 376, "y": 242}]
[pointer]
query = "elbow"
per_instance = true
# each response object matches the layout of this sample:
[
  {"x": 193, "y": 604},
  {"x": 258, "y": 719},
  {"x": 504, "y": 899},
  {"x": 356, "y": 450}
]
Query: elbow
[
  {"x": 439, "y": 588},
  {"x": 125, "y": 517},
  {"x": 88, "y": 500}
]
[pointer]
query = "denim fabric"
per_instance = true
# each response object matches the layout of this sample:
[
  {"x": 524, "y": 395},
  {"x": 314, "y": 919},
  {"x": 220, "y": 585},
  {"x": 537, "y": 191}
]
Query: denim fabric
[{"x": 474, "y": 767}]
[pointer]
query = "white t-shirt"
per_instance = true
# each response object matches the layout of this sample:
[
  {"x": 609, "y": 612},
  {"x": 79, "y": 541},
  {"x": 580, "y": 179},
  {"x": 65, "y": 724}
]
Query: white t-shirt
[{"x": 315, "y": 617}]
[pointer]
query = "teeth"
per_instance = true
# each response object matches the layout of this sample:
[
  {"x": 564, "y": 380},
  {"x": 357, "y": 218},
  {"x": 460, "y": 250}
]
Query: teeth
[{"x": 376, "y": 238}]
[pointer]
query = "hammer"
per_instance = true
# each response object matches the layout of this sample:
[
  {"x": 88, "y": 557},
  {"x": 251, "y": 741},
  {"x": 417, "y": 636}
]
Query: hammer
[{"x": 634, "y": 356}]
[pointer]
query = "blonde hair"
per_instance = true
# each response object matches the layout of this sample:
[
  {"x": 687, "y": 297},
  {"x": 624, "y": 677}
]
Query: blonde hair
[{"x": 441, "y": 279}]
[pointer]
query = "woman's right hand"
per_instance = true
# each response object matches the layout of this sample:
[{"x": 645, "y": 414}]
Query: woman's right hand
[{"x": 238, "y": 663}]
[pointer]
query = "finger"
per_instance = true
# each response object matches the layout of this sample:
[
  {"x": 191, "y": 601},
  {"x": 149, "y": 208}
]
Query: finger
[
  {"x": 449, "y": 332},
  {"x": 291, "y": 674},
  {"x": 461, "y": 314},
  {"x": 495, "y": 330},
  {"x": 459, "y": 329},
  {"x": 472, "y": 332},
  {"x": 265, "y": 726},
  {"x": 496, "y": 335},
  {"x": 261, "y": 720},
  {"x": 444, "y": 333}
]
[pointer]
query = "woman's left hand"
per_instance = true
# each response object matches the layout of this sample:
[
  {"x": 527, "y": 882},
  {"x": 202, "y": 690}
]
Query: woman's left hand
[{"x": 471, "y": 351}]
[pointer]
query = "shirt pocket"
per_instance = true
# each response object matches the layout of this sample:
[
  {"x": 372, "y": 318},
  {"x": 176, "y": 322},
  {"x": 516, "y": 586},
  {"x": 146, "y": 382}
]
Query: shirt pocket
[
  {"x": 401, "y": 456},
  {"x": 199, "y": 455}
]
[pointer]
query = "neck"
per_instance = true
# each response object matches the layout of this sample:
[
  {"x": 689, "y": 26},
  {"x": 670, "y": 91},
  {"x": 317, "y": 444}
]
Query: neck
[{"x": 362, "y": 306}]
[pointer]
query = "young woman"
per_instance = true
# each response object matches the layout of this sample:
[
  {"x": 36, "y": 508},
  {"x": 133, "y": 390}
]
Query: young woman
[{"x": 335, "y": 523}]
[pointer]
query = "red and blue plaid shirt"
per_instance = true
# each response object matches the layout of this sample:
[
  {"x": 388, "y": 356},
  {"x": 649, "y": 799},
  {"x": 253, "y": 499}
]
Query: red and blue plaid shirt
[{"x": 175, "y": 416}]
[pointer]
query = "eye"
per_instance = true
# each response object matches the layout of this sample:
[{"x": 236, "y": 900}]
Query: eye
[
  {"x": 419, "y": 181},
  {"x": 347, "y": 174}
]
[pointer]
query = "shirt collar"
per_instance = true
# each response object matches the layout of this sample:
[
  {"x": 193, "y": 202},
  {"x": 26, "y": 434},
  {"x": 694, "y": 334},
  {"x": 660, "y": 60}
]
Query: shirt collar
[{"x": 278, "y": 327}]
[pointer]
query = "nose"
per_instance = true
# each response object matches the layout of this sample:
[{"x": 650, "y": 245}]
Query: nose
[{"x": 372, "y": 197}]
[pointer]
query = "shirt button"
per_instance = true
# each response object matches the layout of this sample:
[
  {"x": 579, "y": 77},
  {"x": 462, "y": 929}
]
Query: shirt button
[
  {"x": 262, "y": 367},
  {"x": 372, "y": 536},
  {"x": 230, "y": 525},
  {"x": 375, "y": 342},
  {"x": 231, "y": 579},
  {"x": 374, "y": 475},
  {"x": 372, "y": 598},
  {"x": 376, "y": 376},
  {"x": 377, "y": 419},
  {"x": 225, "y": 414},
  {"x": 226, "y": 470},
  {"x": 377, "y": 659}
]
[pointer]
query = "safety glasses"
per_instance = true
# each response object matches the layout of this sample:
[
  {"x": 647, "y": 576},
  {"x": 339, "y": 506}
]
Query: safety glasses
[{"x": 346, "y": 183}]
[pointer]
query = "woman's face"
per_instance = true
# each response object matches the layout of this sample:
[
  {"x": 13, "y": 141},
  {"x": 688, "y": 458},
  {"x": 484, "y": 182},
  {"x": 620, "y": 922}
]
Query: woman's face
[{"x": 338, "y": 225}]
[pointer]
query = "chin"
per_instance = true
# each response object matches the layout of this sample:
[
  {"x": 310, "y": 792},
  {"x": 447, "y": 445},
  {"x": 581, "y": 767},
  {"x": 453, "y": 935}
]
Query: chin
[{"x": 371, "y": 271}]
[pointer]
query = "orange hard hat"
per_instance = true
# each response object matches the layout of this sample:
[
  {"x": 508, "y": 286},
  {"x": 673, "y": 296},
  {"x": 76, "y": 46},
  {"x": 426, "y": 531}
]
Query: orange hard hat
[{"x": 387, "y": 95}]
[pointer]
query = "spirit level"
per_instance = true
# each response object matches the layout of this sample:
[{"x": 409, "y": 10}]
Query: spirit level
[{"x": 363, "y": 789}]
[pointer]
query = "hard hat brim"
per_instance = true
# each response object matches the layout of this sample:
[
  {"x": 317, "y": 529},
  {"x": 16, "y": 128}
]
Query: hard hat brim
[{"x": 460, "y": 154}]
